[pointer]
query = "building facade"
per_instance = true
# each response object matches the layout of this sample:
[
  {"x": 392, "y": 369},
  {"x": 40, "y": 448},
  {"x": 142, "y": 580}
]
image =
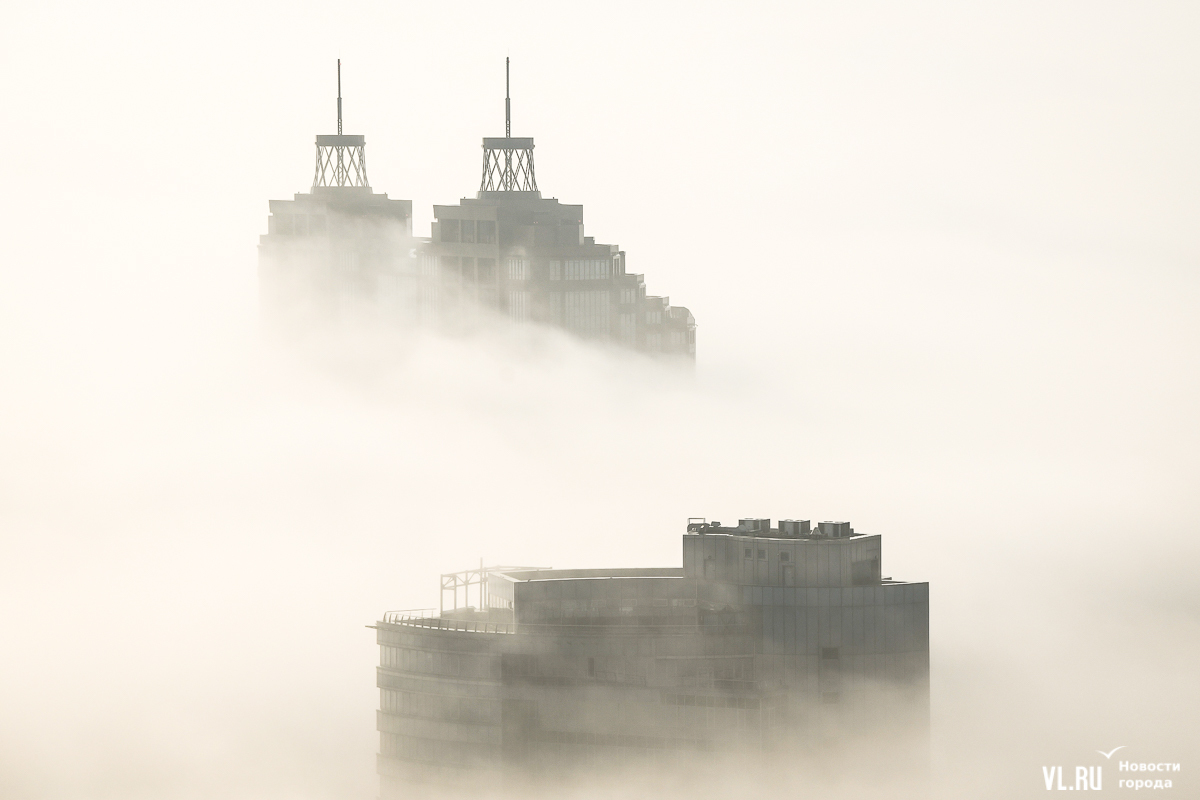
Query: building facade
[
  {"x": 343, "y": 250},
  {"x": 511, "y": 250},
  {"x": 336, "y": 254},
  {"x": 340, "y": 251},
  {"x": 767, "y": 638}
]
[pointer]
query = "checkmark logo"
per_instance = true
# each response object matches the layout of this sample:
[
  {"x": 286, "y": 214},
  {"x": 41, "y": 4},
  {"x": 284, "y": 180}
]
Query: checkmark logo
[{"x": 1110, "y": 752}]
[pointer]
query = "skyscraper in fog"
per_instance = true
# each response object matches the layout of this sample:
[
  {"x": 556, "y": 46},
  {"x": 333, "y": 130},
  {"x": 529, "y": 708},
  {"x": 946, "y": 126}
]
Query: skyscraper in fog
[
  {"x": 507, "y": 251},
  {"x": 774, "y": 640},
  {"x": 340, "y": 250},
  {"x": 528, "y": 256}
]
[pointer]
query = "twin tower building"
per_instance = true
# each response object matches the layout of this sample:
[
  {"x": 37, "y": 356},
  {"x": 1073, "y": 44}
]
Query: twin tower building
[{"x": 343, "y": 251}]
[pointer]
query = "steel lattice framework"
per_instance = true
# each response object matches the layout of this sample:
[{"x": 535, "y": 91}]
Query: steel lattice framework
[
  {"x": 453, "y": 581},
  {"x": 508, "y": 162},
  {"x": 508, "y": 166},
  {"x": 341, "y": 160}
]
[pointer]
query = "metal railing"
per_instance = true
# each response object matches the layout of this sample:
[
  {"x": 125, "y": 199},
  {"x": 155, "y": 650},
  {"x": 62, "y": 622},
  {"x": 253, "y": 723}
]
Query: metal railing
[
  {"x": 408, "y": 613},
  {"x": 428, "y": 618},
  {"x": 415, "y": 619}
]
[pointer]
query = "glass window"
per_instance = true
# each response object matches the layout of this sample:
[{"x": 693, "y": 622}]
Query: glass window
[
  {"x": 518, "y": 305},
  {"x": 587, "y": 312},
  {"x": 589, "y": 270},
  {"x": 449, "y": 228},
  {"x": 749, "y": 553},
  {"x": 628, "y": 324},
  {"x": 467, "y": 231},
  {"x": 518, "y": 269},
  {"x": 485, "y": 231}
]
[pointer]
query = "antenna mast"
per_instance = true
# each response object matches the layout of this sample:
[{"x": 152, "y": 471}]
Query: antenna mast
[
  {"x": 339, "y": 133},
  {"x": 508, "y": 162}
]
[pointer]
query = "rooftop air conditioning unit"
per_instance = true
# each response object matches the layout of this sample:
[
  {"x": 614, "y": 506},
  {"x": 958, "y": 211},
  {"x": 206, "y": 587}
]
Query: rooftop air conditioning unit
[
  {"x": 754, "y": 525},
  {"x": 795, "y": 527},
  {"x": 835, "y": 530}
]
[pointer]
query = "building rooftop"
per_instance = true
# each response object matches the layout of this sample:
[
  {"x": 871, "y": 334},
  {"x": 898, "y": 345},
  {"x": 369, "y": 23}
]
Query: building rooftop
[{"x": 787, "y": 529}]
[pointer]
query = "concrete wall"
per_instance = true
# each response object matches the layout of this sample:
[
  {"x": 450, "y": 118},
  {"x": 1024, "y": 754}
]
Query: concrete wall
[{"x": 813, "y": 562}]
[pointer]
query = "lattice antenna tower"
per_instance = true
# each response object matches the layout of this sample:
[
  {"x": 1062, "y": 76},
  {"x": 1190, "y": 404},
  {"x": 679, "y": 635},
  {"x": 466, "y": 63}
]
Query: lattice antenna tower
[
  {"x": 341, "y": 160},
  {"x": 508, "y": 162}
]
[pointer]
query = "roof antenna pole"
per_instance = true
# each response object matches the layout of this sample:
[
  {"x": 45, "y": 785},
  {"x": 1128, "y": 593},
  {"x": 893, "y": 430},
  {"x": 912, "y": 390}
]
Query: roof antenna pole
[
  {"x": 507, "y": 104},
  {"x": 339, "y": 97}
]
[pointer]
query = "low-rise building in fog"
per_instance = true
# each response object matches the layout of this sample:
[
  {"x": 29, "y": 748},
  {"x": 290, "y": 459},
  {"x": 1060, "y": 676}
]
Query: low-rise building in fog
[
  {"x": 767, "y": 637},
  {"x": 344, "y": 250}
]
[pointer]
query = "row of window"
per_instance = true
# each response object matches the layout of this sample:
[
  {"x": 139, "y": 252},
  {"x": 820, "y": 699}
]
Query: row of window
[
  {"x": 624, "y": 604},
  {"x": 459, "y": 665},
  {"x": 586, "y": 312},
  {"x": 900, "y": 597},
  {"x": 296, "y": 224},
  {"x": 709, "y": 701},
  {"x": 468, "y": 231},
  {"x": 437, "y": 684},
  {"x": 627, "y": 328},
  {"x": 581, "y": 270},
  {"x": 440, "y": 707},
  {"x": 482, "y": 270},
  {"x": 519, "y": 305},
  {"x": 863, "y": 572},
  {"x": 517, "y": 269},
  {"x": 321, "y": 224},
  {"x": 703, "y": 715},
  {"x": 725, "y": 669},
  {"x": 619, "y": 670},
  {"x": 520, "y": 269},
  {"x": 413, "y": 748},
  {"x": 763, "y": 554}
]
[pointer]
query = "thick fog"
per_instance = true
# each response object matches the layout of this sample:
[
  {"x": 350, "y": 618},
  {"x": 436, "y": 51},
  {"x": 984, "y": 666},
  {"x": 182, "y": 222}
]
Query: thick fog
[{"x": 945, "y": 270}]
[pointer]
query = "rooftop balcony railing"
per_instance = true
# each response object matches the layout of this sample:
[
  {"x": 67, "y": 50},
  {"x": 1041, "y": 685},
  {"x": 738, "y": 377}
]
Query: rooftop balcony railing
[
  {"x": 427, "y": 618},
  {"x": 424, "y": 618}
]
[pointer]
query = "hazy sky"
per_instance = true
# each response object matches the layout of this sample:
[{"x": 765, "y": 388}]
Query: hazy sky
[{"x": 944, "y": 263}]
